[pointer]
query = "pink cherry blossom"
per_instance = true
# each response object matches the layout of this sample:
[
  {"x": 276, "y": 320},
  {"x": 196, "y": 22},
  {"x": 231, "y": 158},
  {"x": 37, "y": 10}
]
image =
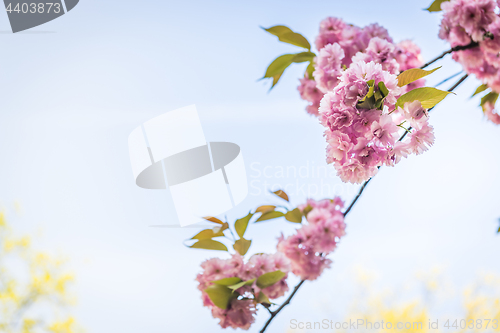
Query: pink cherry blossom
[
  {"x": 308, "y": 248},
  {"x": 240, "y": 311},
  {"x": 340, "y": 44},
  {"x": 240, "y": 314},
  {"x": 384, "y": 130},
  {"x": 328, "y": 67},
  {"x": 421, "y": 139},
  {"x": 466, "y": 21},
  {"x": 360, "y": 139},
  {"x": 408, "y": 55},
  {"x": 310, "y": 92},
  {"x": 491, "y": 113},
  {"x": 415, "y": 113}
]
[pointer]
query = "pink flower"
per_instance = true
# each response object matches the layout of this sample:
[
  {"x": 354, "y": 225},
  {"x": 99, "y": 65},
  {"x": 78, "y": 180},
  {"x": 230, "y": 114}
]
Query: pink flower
[
  {"x": 240, "y": 311},
  {"x": 383, "y": 52},
  {"x": 374, "y": 30},
  {"x": 328, "y": 67},
  {"x": 309, "y": 92},
  {"x": 492, "y": 44},
  {"x": 473, "y": 16},
  {"x": 421, "y": 139},
  {"x": 384, "y": 130},
  {"x": 465, "y": 21},
  {"x": 330, "y": 31},
  {"x": 415, "y": 113},
  {"x": 213, "y": 269},
  {"x": 339, "y": 145},
  {"x": 408, "y": 55},
  {"x": 400, "y": 150},
  {"x": 360, "y": 140},
  {"x": 240, "y": 314},
  {"x": 490, "y": 113},
  {"x": 333, "y": 206},
  {"x": 259, "y": 264},
  {"x": 308, "y": 247},
  {"x": 355, "y": 172}
]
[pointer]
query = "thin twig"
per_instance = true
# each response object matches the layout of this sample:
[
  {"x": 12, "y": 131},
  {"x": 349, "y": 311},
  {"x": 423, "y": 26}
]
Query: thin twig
[
  {"x": 357, "y": 196},
  {"x": 454, "y": 49},
  {"x": 275, "y": 313},
  {"x": 448, "y": 79},
  {"x": 459, "y": 82}
]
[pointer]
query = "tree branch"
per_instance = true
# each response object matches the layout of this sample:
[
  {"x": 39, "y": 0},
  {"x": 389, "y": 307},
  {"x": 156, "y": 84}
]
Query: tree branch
[
  {"x": 454, "y": 49},
  {"x": 357, "y": 196},
  {"x": 275, "y": 313}
]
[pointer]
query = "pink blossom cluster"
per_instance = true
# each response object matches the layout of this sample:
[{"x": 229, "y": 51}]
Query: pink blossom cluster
[
  {"x": 340, "y": 44},
  {"x": 308, "y": 247},
  {"x": 240, "y": 313},
  {"x": 351, "y": 38},
  {"x": 361, "y": 139},
  {"x": 475, "y": 21}
]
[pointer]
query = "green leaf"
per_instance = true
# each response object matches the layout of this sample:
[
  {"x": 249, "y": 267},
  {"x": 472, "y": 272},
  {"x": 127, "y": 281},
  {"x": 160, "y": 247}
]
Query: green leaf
[
  {"x": 208, "y": 234},
  {"x": 242, "y": 245},
  {"x": 213, "y": 219},
  {"x": 278, "y": 66},
  {"x": 295, "y": 39},
  {"x": 241, "y": 225},
  {"x": 310, "y": 70},
  {"x": 268, "y": 279},
  {"x": 209, "y": 244},
  {"x": 368, "y": 102},
  {"x": 413, "y": 74},
  {"x": 294, "y": 216},
  {"x": 428, "y": 96},
  {"x": 223, "y": 227},
  {"x": 262, "y": 298},
  {"x": 383, "y": 89},
  {"x": 307, "y": 210},
  {"x": 241, "y": 284},
  {"x": 286, "y": 35},
  {"x": 276, "y": 78},
  {"x": 278, "y": 30},
  {"x": 221, "y": 296},
  {"x": 281, "y": 194},
  {"x": 303, "y": 57},
  {"x": 270, "y": 215},
  {"x": 265, "y": 209},
  {"x": 480, "y": 89},
  {"x": 490, "y": 97},
  {"x": 228, "y": 282},
  {"x": 436, "y": 6}
]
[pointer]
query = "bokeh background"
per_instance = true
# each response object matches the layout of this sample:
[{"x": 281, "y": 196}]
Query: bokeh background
[{"x": 73, "y": 89}]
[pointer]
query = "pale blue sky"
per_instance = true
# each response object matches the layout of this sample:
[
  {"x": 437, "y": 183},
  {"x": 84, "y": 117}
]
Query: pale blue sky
[{"x": 72, "y": 96}]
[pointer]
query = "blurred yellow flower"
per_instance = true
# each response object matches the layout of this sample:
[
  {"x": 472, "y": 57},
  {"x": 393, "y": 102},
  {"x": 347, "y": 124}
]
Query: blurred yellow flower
[{"x": 33, "y": 287}]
